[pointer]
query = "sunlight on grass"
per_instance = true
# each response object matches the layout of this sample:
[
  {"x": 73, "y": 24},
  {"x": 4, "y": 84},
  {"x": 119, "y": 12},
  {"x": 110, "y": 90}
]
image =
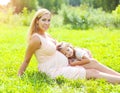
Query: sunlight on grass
[{"x": 104, "y": 45}]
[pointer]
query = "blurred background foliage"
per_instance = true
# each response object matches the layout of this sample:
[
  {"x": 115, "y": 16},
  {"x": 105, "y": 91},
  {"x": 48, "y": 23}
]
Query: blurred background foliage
[{"x": 73, "y": 14}]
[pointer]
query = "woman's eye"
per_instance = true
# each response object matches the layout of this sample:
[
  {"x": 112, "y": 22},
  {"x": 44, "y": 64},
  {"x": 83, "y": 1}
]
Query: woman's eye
[
  {"x": 49, "y": 20},
  {"x": 43, "y": 19}
]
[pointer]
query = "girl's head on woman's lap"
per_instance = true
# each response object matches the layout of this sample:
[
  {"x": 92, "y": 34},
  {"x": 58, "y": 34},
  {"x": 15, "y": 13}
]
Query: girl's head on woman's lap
[{"x": 66, "y": 48}]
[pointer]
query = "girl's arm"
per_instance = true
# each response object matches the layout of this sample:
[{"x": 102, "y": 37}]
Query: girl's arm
[
  {"x": 83, "y": 61},
  {"x": 32, "y": 46}
]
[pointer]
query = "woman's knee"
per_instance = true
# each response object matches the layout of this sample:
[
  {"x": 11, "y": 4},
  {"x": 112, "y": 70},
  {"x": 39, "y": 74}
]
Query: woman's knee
[{"x": 92, "y": 73}]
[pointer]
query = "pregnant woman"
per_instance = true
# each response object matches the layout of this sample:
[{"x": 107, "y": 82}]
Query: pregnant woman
[{"x": 54, "y": 63}]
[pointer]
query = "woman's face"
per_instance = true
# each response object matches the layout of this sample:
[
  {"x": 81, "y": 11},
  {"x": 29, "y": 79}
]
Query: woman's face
[{"x": 44, "y": 22}]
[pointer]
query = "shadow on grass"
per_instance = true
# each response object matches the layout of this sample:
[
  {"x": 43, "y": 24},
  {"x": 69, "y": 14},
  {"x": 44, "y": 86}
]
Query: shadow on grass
[{"x": 38, "y": 78}]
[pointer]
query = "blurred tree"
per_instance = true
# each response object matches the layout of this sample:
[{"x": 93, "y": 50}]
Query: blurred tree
[
  {"x": 52, "y": 5},
  {"x": 20, "y": 4},
  {"x": 117, "y": 2},
  {"x": 107, "y": 5},
  {"x": 74, "y": 2}
]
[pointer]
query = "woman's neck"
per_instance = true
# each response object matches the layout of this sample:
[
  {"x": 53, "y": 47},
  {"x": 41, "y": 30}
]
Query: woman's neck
[{"x": 42, "y": 33}]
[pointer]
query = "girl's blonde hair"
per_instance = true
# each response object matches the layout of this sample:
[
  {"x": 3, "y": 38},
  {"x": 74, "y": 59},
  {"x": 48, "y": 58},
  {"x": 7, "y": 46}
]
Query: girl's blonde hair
[
  {"x": 63, "y": 45},
  {"x": 33, "y": 26}
]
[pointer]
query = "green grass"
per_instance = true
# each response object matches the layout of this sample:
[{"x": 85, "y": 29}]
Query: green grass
[{"x": 104, "y": 44}]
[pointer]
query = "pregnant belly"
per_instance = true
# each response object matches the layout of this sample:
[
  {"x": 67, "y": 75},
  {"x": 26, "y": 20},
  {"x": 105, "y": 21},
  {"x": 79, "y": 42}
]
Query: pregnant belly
[
  {"x": 60, "y": 60},
  {"x": 56, "y": 61}
]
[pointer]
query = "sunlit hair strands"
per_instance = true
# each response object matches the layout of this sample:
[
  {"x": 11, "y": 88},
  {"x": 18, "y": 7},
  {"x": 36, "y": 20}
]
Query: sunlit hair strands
[{"x": 34, "y": 26}]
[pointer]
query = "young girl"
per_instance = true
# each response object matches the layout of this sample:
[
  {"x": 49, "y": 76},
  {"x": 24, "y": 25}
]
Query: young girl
[{"x": 76, "y": 56}]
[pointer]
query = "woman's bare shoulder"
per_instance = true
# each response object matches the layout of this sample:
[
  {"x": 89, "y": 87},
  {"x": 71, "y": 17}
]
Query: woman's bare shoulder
[{"x": 35, "y": 41}]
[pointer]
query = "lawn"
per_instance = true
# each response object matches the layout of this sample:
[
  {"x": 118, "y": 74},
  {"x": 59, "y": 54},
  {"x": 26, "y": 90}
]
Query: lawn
[{"x": 104, "y": 44}]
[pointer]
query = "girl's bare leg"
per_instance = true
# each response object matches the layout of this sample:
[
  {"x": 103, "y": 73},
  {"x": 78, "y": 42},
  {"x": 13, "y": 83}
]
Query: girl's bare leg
[
  {"x": 93, "y": 73},
  {"x": 94, "y": 64}
]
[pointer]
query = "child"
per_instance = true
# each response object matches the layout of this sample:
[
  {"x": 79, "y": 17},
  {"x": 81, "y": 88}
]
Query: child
[{"x": 76, "y": 56}]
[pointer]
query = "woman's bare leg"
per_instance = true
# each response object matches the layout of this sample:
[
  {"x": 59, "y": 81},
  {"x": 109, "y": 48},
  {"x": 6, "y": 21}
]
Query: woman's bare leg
[
  {"x": 94, "y": 64},
  {"x": 93, "y": 73}
]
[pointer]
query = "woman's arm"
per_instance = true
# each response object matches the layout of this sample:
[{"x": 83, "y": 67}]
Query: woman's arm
[
  {"x": 83, "y": 61},
  {"x": 33, "y": 45}
]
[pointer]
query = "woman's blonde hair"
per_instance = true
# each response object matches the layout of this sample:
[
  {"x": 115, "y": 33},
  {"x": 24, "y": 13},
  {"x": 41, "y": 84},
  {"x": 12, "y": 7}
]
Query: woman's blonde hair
[{"x": 33, "y": 26}]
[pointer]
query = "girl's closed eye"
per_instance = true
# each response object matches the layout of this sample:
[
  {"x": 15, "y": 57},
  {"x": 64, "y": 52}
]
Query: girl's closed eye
[{"x": 68, "y": 49}]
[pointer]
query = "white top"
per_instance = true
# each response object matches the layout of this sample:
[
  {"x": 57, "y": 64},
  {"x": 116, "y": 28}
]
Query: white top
[{"x": 79, "y": 53}]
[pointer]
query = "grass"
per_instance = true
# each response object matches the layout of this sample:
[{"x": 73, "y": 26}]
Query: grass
[{"x": 104, "y": 44}]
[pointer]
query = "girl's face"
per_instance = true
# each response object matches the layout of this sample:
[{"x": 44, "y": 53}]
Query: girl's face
[
  {"x": 67, "y": 51},
  {"x": 44, "y": 22}
]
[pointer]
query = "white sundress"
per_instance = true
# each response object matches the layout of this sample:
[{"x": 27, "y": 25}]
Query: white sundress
[{"x": 54, "y": 63}]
